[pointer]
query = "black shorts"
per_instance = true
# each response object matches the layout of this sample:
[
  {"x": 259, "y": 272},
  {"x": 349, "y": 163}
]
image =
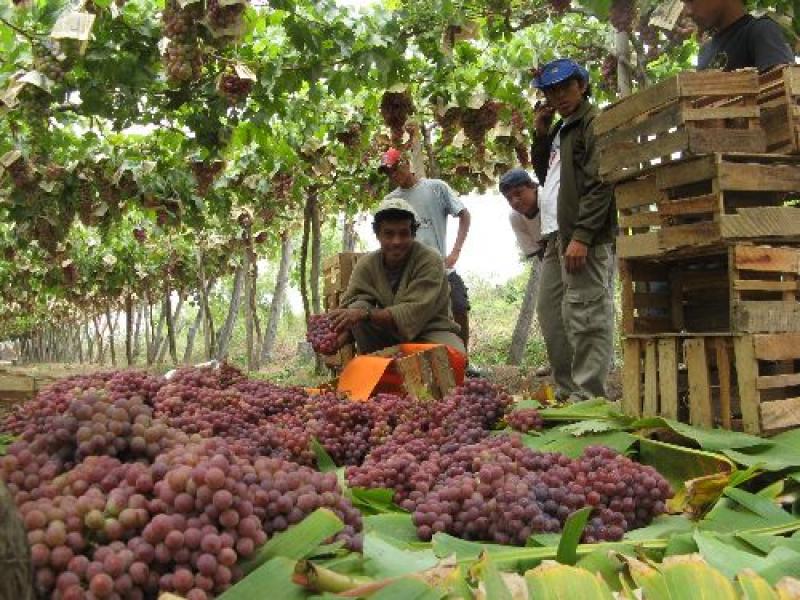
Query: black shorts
[{"x": 459, "y": 300}]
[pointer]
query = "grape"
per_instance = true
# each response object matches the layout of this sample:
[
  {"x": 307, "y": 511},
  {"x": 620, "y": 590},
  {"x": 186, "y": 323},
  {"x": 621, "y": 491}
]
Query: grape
[
  {"x": 395, "y": 109},
  {"x": 524, "y": 420},
  {"x": 560, "y": 5},
  {"x": 476, "y": 122},
  {"x": 234, "y": 88},
  {"x": 622, "y": 14},
  {"x": 322, "y": 335}
]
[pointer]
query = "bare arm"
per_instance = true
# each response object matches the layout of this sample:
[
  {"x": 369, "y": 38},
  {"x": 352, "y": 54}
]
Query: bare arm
[{"x": 464, "y": 220}]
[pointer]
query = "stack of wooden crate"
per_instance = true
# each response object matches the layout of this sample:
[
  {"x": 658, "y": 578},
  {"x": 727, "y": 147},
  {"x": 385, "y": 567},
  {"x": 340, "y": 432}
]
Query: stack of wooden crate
[
  {"x": 706, "y": 168},
  {"x": 336, "y": 272}
]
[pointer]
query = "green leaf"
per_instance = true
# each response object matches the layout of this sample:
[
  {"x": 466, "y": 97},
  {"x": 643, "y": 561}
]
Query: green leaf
[
  {"x": 407, "y": 589},
  {"x": 597, "y": 408},
  {"x": 555, "y": 440},
  {"x": 725, "y": 557},
  {"x": 324, "y": 461},
  {"x": 707, "y": 439},
  {"x": 571, "y": 536},
  {"x": 299, "y": 541},
  {"x": 679, "y": 464},
  {"x": 384, "y": 559},
  {"x": 591, "y": 426},
  {"x": 562, "y": 582},
  {"x": 374, "y": 500},
  {"x": 397, "y": 526},
  {"x": 274, "y": 575},
  {"x": 664, "y": 526},
  {"x": 760, "y": 506},
  {"x": 754, "y": 587},
  {"x": 494, "y": 585},
  {"x": 606, "y": 564},
  {"x": 681, "y": 544},
  {"x": 781, "y": 562}
]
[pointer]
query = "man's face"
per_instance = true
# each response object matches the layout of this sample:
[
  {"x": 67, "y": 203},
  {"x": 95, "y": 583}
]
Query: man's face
[
  {"x": 400, "y": 174},
  {"x": 566, "y": 96},
  {"x": 523, "y": 199},
  {"x": 706, "y": 13},
  {"x": 395, "y": 238}
]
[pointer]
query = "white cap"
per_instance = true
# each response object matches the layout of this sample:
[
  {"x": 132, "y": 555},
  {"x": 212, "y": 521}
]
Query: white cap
[{"x": 395, "y": 203}]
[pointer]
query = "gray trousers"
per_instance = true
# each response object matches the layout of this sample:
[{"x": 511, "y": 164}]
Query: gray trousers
[{"x": 576, "y": 316}]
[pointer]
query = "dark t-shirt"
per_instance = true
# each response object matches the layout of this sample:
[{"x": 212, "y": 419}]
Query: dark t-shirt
[{"x": 749, "y": 42}]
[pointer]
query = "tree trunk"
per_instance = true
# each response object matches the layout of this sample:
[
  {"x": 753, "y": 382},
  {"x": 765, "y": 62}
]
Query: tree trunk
[
  {"x": 148, "y": 330},
  {"x": 208, "y": 319},
  {"x": 175, "y": 317},
  {"x": 158, "y": 336},
  {"x": 192, "y": 333},
  {"x": 316, "y": 256},
  {"x": 417, "y": 152},
  {"x": 173, "y": 350},
  {"x": 349, "y": 235},
  {"x": 522, "y": 329},
  {"x": 129, "y": 329},
  {"x": 111, "y": 336},
  {"x": 433, "y": 164},
  {"x": 304, "y": 254},
  {"x": 89, "y": 343},
  {"x": 278, "y": 297},
  {"x": 623, "y": 48},
  {"x": 99, "y": 337},
  {"x": 226, "y": 332},
  {"x": 137, "y": 342},
  {"x": 249, "y": 284},
  {"x": 79, "y": 341}
]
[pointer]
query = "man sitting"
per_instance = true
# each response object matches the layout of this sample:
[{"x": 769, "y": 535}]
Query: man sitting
[{"x": 399, "y": 293}]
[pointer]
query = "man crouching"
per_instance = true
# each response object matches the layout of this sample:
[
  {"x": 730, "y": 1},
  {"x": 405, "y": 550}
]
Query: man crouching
[{"x": 397, "y": 294}]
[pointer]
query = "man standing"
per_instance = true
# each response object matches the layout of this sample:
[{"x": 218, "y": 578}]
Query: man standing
[
  {"x": 399, "y": 293},
  {"x": 578, "y": 220},
  {"x": 434, "y": 200},
  {"x": 738, "y": 39}
]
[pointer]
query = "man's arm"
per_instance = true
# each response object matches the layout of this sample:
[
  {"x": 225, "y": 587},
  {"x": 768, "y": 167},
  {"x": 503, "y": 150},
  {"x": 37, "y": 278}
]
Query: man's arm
[{"x": 464, "y": 220}]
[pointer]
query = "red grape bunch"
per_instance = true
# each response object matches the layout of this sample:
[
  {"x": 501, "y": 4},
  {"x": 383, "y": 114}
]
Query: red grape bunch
[
  {"x": 478, "y": 121},
  {"x": 223, "y": 18},
  {"x": 321, "y": 334},
  {"x": 395, "y": 110},
  {"x": 622, "y": 14},
  {"x": 234, "y": 88},
  {"x": 560, "y": 5},
  {"x": 524, "y": 420}
]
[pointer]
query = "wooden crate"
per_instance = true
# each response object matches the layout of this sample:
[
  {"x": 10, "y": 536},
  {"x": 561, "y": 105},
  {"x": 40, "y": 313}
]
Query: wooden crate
[
  {"x": 331, "y": 300},
  {"x": 745, "y": 288},
  {"x": 698, "y": 204},
  {"x": 779, "y": 101},
  {"x": 16, "y": 386},
  {"x": 339, "y": 360},
  {"x": 692, "y": 113},
  {"x": 336, "y": 271},
  {"x": 747, "y": 382},
  {"x": 425, "y": 374}
]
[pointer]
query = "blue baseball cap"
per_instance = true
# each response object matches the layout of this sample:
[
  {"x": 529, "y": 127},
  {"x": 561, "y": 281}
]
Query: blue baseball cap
[{"x": 558, "y": 70}]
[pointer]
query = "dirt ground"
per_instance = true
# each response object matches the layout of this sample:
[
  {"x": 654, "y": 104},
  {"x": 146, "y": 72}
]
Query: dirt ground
[{"x": 519, "y": 380}]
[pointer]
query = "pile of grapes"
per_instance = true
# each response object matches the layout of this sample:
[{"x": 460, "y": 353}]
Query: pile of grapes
[
  {"x": 118, "y": 504},
  {"x": 321, "y": 334},
  {"x": 525, "y": 420},
  {"x": 445, "y": 468}
]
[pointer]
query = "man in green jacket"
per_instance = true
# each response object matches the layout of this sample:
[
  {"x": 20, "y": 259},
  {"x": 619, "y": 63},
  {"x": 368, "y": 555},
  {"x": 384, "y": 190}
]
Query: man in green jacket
[
  {"x": 399, "y": 293},
  {"x": 578, "y": 219}
]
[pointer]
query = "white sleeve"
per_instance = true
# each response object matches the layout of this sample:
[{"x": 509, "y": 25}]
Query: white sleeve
[
  {"x": 527, "y": 232},
  {"x": 452, "y": 205}
]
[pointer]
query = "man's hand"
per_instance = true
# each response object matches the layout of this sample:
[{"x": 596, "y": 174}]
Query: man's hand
[
  {"x": 452, "y": 259},
  {"x": 543, "y": 118},
  {"x": 575, "y": 256},
  {"x": 345, "y": 318}
]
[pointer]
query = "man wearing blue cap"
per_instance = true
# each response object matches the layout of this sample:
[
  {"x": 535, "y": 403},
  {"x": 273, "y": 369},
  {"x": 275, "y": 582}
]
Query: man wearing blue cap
[{"x": 578, "y": 218}]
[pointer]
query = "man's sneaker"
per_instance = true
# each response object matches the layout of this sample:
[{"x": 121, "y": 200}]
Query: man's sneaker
[{"x": 543, "y": 371}]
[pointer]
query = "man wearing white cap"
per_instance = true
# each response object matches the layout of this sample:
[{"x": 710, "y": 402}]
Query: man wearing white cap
[{"x": 398, "y": 293}]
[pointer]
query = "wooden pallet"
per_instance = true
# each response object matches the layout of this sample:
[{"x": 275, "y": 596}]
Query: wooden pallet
[
  {"x": 692, "y": 113},
  {"x": 745, "y": 382},
  {"x": 336, "y": 271},
  {"x": 779, "y": 101},
  {"x": 425, "y": 374},
  {"x": 746, "y": 288},
  {"x": 702, "y": 202},
  {"x": 339, "y": 360}
]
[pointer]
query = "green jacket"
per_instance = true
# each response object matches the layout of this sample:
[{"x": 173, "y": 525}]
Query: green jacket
[{"x": 586, "y": 209}]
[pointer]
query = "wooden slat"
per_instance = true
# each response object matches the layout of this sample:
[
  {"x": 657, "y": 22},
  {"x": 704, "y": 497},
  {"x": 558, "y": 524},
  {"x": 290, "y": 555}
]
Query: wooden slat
[
  {"x": 668, "y": 377},
  {"x": 700, "y": 413},
  {"x": 638, "y": 192},
  {"x": 724, "y": 374},
  {"x": 677, "y": 314},
  {"x": 768, "y": 382},
  {"x": 631, "y": 378},
  {"x": 687, "y": 171},
  {"x": 777, "y": 346},
  {"x": 640, "y": 219},
  {"x": 765, "y": 258},
  {"x": 764, "y": 222},
  {"x": 780, "y": 414},
  {"x": 656, "y": 122},
  {"x": 695, "y": 234},
  {"x": 718, "y": 83},
  {"x": 623, "y": 159},
  {"x": 650, "y": 402},
  {"x": 703, "y": 141},
  {"x": 753, "y": 177},
  {"x": 11, "y": 382},
  {"x": 626, "y": 295},
  {"x": 765, "y": 316},
  {"x": 629, "y": 108},
  {"x": 757, "y": 285},
  {"x": 709, "y": 203},
  {"x": 638, "y": 245},
  {"x": 747, "y": 375},
  {"x": 722, "y": 112}
]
